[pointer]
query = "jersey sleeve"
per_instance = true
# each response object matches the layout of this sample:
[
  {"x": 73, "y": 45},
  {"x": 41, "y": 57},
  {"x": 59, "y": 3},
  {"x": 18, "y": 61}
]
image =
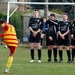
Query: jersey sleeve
[
  {"x": 5, "y": 28},
  {"x": 59, "y": 26},
  {"x": 71, "y": 26},
  {"x": 1, "y": 35},
  {"x": 30, "y": 22}
]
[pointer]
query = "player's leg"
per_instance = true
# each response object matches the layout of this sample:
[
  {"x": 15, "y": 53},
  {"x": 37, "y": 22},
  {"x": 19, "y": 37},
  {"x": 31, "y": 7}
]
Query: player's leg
[
  {"x": 32, "y": 52},
  {"x": 60, "y": 54},
  {"x": 32, "y": 40},
  {"x": 10, "y": 59},
  {"x": 73, "y": 52},
  {"x": 67, "y": 45},
  {"x": 42, "y": 36},
  {"x": 38, "y": 46},
  {"x": 55, "y": 53},
  {"x": 49, "y": 53},
  {"x": 55, "y": 47},
  {"x": 68, "y": 53},
  {"x": 39, "y": 52},
  {"x": 73, "y": 49},
  {"x": 60, "y": 47}
]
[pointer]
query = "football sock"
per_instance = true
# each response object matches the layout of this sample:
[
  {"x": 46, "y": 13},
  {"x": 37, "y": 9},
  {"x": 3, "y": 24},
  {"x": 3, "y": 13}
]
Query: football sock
[
  {"x": 55, "y": 53},
  {"x": 60, "y": 54},
  {"x": 73, "y": 53},
  {"x": 41, "y": 41},
  {"x": 32, "y": 54},
  {"x": 68, "y": 54},
  {"x": 49, "y": 54},
  {"x": 39, "y": 54},
  {"x": 9, "y": 62}
]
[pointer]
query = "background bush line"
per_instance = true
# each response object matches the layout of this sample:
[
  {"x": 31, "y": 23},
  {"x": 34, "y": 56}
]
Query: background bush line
[{"x": 15, "y": 20}]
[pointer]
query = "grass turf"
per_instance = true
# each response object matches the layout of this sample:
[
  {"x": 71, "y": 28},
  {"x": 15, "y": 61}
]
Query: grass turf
[{"x": 22, "y": 66}]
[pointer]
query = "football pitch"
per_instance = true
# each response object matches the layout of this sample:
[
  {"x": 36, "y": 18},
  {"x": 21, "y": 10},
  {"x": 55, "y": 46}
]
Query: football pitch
[{"x": 22, "y": 66}]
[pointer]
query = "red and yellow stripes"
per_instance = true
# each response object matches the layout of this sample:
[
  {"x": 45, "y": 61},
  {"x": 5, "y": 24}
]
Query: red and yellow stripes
[{"x": 10, "y": 36}]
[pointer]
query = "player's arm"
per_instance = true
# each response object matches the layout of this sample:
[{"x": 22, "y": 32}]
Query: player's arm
[
  {"x": 5, "y": 28},
  {"x": 67, "y": 32},
  {"x": 1, "y": 35},
  {"x": 30, "y": 28},
  {"x": 71, "y": 31}
]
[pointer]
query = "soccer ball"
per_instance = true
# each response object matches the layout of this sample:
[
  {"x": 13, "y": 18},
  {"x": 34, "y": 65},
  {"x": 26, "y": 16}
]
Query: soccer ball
[{"x": 5, "y": 46}]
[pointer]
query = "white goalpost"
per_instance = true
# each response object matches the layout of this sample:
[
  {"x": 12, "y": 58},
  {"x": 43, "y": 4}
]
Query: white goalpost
[{"x": 39, "y": 3}]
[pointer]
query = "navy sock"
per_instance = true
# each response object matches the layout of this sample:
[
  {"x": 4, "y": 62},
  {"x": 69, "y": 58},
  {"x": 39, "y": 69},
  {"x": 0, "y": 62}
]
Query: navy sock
[
  {"x": 32, "y": 54},
  {"x": 49, "y": 54},
  {"x": 60, "y": 54},
  {"x": 55, "y": 53},
  {"x": 39, "y": 54}
]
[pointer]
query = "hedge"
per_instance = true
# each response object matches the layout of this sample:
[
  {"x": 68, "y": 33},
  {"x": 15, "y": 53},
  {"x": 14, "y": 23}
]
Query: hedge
[{"x": 15, "y": 20}]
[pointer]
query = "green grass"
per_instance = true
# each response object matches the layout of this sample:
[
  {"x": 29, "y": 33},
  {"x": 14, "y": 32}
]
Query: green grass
[{"x": 22, "y": 66}]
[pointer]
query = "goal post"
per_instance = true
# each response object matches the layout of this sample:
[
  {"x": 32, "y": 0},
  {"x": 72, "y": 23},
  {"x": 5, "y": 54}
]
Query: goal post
[{"x": 39, "y": 3}]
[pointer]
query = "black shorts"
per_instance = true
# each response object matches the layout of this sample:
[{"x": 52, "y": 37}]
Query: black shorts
[
  {"x": 36, "y": 39},
  {"x": 65, "y": 42},
  {"x": 53, "y": 42},
  {"x": 72, "y": 41}
]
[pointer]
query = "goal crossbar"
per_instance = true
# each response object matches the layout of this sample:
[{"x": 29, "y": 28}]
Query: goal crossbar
[
  {"x": 43, "y": 3},
  {"x": 38, "y": 3}
]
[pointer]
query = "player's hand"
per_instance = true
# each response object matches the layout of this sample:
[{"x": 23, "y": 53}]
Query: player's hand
[
  {"x": 50, "y": 38},
  {"x": 34, "y": 34},
  {"x": 72, "y": 36},
  {"x": 62, "y": 36}
]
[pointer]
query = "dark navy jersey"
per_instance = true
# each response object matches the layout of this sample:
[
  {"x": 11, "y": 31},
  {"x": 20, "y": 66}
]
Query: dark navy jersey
[
  {"x": 35, "y": 23},
  {"x": 64, "y": 26},
  {"x": 52, "y": 26},
  {"x": 73, "y": 28},
  {"x": 44, "y": 26}
]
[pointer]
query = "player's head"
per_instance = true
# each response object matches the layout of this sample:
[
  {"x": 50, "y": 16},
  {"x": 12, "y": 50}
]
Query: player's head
[
  {"x": 65, "y": 16},
  {"x": 44, "y": 19},
  {"x": 36, "y": 13},
  {"x": 52, "y": 16},
  {"x": 2, "y": 21}
]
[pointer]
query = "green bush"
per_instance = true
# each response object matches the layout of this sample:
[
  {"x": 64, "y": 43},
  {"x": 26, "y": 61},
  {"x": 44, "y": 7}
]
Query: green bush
[
  {"x": 57, "y": 11},
  {"x": 15, "y": 20}
]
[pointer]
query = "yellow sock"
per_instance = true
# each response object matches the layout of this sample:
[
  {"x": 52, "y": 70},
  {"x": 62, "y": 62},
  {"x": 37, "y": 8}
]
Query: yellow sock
[{"x": 9, "y": 62}]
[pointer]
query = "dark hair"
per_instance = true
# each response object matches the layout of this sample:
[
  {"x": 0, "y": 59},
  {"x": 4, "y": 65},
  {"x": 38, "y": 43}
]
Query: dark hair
[
  {"x": 35, "y": 10},
  {"x": 65, "y": 14},
  {"x": 52, "y": 14},
  {"x": 44, "y": 17},
  {"x": 2, "y": 21}
]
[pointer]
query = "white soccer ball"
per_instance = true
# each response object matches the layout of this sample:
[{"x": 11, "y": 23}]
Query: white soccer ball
[{"x": 5, "y": 46}]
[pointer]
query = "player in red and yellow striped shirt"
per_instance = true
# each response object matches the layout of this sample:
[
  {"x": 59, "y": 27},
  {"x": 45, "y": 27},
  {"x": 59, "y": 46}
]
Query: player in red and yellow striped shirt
[{"x": 10, "y": 39}]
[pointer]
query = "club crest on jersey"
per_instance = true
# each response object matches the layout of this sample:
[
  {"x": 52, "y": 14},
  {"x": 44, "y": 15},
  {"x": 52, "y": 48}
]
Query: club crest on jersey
[
  {"x": 37, "y": 20},
  {"x": 66, "y": 23}
]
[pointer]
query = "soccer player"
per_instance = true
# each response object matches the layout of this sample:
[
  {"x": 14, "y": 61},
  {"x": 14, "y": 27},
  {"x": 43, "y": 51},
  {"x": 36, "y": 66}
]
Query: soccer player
[
  {"x": 73, "y": 40},
  {"x": 10, "y": 39},
  {"x": 51, "y": 37},
  {"x": 63, "y": 36},
  {"x": 35, "y": 26},
  {"x": 44, "y": 29}
]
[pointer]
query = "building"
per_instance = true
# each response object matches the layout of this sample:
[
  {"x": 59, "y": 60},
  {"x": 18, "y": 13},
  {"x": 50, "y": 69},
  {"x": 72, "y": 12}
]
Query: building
[
  {"x": 22, "y": 7},
  {"x": 3, "y": 5}
]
